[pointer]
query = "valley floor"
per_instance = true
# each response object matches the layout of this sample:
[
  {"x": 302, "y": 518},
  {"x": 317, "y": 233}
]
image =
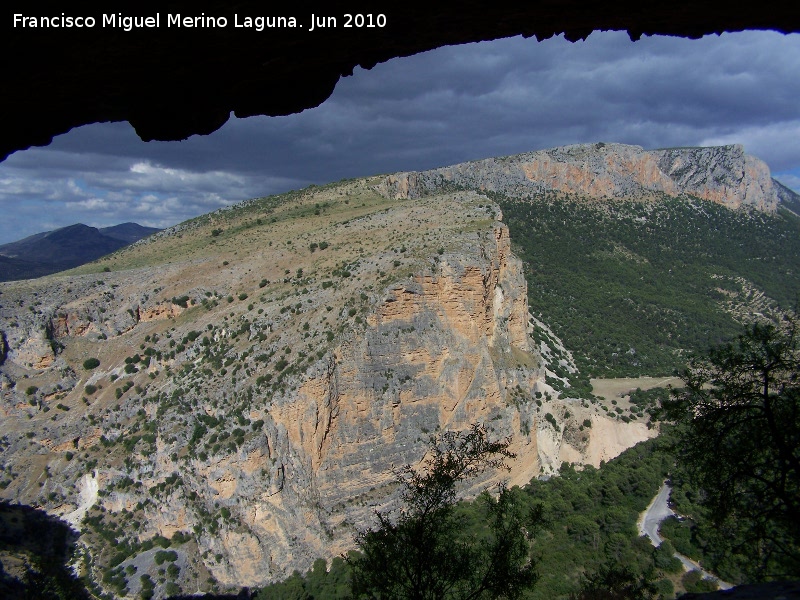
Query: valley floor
[{"x": 619, "y": 387}]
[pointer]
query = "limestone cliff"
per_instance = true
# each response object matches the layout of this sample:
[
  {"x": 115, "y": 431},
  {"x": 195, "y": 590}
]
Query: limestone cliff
[
  {"x": 256, "y": 387},
  {"x": 723, "y": 174}
]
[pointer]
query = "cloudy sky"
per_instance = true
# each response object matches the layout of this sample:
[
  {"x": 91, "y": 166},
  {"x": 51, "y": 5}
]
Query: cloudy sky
[{"x": 434, "y": 109}]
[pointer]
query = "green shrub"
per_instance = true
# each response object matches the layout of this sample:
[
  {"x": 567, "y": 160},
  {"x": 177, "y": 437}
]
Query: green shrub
[
  {"x": 183, "y": 301},
  {"x": 180, "y": 538},
  {"x": 693, "y": 582},
  {"x": 160, "y": 557},
  {"x": 172, "y": 589},
  {"x": 91, "y": 363}
]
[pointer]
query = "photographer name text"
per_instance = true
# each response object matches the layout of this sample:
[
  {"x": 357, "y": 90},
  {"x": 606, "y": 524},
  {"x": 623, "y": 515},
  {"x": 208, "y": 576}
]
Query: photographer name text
[{"x": 180, "y": 21}]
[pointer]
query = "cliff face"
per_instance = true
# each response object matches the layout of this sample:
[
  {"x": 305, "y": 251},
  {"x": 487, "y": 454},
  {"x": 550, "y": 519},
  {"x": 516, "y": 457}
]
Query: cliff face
[
  {"x": 255, "y": 393},
  {"x": 724, "y": 174}
]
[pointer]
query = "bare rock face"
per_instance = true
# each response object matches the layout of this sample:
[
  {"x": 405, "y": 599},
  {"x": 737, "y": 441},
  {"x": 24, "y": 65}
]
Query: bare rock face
[
  {"x": 433, "y": 356},
  {"x": 723, "y": 174}
]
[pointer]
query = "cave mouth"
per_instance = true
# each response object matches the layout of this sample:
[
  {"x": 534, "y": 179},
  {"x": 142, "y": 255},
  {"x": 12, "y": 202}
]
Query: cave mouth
[{"x": 174, "y": 82}]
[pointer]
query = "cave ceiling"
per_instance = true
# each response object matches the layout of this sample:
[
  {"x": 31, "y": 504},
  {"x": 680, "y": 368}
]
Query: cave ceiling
[{"x": 171, "y": 83}]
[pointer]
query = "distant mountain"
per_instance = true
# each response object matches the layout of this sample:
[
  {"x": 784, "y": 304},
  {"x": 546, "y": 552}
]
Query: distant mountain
[
  {"x": 52, "y": 251},
  {"x": 128, "y": 232}
]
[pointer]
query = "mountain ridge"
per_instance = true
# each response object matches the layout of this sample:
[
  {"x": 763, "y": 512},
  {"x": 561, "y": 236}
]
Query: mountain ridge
[
  {"x": 64, "y": 248},
  {"x": 277, "y": 367},
  {"x": 721, "y": 174}
]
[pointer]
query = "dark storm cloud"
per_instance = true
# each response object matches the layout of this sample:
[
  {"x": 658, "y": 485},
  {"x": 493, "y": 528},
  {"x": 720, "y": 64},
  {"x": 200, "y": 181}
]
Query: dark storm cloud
[{"x": 442, "y": 107}]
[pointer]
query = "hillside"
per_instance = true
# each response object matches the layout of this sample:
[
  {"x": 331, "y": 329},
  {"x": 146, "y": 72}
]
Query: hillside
[
  {"x": 52, "y": 251},
  {"x": 231, "y": 395},
  {"x": 637, "y": 287},
  {"x": 262, "y": 368}
]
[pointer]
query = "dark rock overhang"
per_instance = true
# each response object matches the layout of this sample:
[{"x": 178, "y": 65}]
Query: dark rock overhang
[{"x": 173, "y": 83}]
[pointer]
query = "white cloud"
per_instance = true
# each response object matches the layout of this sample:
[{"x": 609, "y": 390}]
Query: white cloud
[{"x": 91, "y": 204}]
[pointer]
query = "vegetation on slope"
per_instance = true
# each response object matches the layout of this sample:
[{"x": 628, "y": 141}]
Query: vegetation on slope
[{"x": 633, "y": 287}]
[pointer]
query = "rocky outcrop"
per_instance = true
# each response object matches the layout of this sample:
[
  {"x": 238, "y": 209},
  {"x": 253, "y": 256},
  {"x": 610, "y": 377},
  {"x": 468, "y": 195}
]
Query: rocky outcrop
[
  {"x": 440, "y": 350},
  {"x": 723, "y": 174},
  {"x": 434, "y": 356},
  {"x": 788, "y": 197},
  {"x": 31, "y": 345}
]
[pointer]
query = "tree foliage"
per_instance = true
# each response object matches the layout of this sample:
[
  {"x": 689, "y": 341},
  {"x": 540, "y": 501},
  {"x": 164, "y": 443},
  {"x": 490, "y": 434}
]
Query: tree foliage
[
  {"x": 740, "y": 442},
  {"x": 629, "y": 286},
  {"x": 91, "y": 363},
  {"x": 422, "y": 552},
  {"x": 616, "y": 583}
]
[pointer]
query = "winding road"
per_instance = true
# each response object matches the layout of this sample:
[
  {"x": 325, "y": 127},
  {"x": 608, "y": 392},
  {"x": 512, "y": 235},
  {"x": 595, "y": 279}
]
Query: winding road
[
  {"x": 656, "y": 511},
  {"x": 651, "y": 518}
]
